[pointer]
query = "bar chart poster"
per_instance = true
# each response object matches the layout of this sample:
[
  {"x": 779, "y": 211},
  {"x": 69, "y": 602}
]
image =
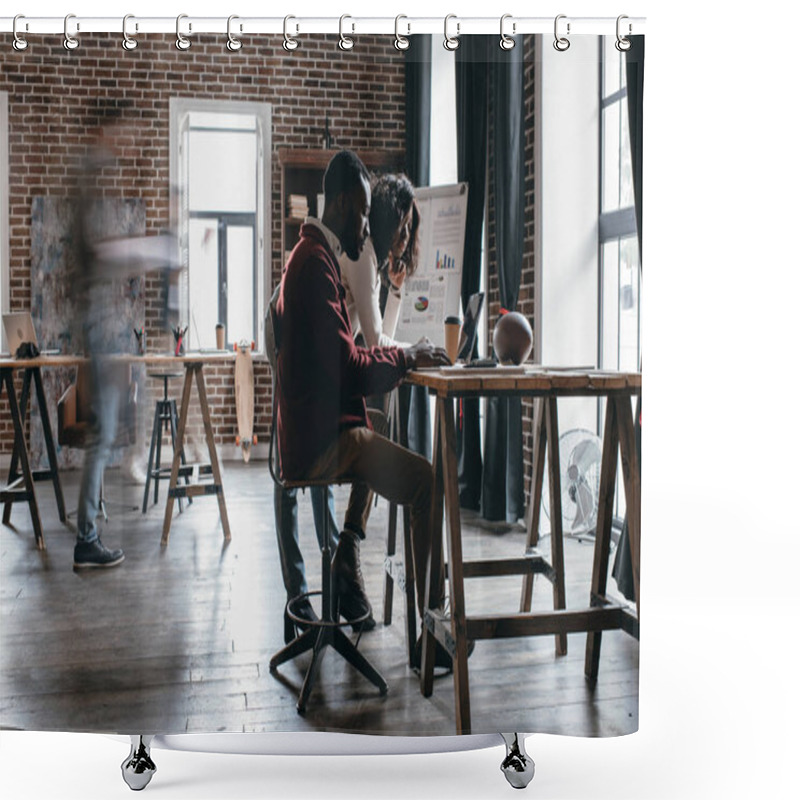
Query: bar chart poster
[{"x": 434, "y": 291}]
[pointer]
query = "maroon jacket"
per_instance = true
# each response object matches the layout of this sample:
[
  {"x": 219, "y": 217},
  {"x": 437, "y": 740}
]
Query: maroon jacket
[{"x": 323, "y": 377}]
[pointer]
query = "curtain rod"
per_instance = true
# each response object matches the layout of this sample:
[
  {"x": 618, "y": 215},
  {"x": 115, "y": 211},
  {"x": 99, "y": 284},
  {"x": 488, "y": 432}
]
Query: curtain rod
[{"x": 452, "y": 26}]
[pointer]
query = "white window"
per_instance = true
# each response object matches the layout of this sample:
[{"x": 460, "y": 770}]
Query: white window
[
  {"x": 220, "y": 168},
  {"x": 619, "y": 329},
  {"x": 620, "y": 289}
]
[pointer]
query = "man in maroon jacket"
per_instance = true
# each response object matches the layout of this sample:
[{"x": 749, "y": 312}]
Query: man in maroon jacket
[{"x": 323, "y": 377}]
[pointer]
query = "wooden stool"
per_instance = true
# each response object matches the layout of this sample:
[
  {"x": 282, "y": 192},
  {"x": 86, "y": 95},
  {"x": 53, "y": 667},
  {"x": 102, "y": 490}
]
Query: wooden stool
[{"x": 165, "y": 417}]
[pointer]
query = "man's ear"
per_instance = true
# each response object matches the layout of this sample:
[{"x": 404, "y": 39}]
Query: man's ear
[{"x": 342, "y": 204}]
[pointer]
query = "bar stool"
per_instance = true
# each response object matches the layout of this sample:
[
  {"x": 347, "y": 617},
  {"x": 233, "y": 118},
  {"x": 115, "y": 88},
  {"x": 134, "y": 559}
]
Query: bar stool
[
  {"x": 165, "y": 418},
  {"x": 327, "y": 630}
]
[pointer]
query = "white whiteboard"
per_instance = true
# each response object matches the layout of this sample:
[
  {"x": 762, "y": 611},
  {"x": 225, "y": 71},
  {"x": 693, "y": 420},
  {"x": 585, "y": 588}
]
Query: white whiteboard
[{"x": 434, "y": 292}]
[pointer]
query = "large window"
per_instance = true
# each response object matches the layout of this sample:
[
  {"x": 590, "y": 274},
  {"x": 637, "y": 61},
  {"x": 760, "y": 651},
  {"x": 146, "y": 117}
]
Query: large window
[
  {"x": 619, "y": 334},
  {"x": 620, "y": 288},
  {"x": 220, "y": 166}
]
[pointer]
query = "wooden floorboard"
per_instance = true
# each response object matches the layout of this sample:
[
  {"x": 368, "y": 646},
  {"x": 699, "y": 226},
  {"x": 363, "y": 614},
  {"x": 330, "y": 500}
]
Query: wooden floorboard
[{"x": 180, "y": 638}]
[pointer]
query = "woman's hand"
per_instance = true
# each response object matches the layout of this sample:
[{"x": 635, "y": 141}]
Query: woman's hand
[{"x": 396, "y": 272}]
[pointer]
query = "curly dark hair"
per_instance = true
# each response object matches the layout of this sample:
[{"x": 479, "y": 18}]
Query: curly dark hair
[{"x": 392, "y": 198}]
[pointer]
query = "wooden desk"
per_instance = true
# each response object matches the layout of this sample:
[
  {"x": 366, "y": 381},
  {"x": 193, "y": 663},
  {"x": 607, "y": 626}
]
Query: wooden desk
[
  {"x": 453, "y": 631},
  {"x": 193, "y": 365},
  {"x": 21, "y": 478}
]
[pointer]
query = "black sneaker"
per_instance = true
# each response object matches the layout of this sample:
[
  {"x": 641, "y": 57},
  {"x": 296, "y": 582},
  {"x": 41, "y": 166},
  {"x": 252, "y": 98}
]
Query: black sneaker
[{"x": 93, "y": 555}]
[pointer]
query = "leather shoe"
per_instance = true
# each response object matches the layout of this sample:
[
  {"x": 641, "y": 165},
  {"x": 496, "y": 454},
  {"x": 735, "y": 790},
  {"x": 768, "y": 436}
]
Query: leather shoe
[{"x": 348, "y": 582}]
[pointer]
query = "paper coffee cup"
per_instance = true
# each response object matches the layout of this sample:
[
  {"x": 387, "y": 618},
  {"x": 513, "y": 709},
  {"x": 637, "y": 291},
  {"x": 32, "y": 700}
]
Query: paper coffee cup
[
  {"x": 452, "y": 337},
  {"x": 220, "y": 329}
]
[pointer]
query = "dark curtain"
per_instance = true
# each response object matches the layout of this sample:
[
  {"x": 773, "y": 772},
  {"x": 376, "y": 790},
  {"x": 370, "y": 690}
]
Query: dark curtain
[
  {"x": 634, "y": 76},
  {"x": 503, "y": 470},
  {"x": 414, "y": 405},
  {"x": 472, "y": 58},
  {"x": 418, "y": 110}
]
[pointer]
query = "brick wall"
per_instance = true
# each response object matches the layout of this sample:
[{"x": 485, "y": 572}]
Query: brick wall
[
  {"x": 525, "y": 303},
  {"x": 50, "y": 91}
]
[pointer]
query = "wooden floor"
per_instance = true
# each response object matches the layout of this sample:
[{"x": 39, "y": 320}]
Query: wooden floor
[{"x": 179, "y": 638}]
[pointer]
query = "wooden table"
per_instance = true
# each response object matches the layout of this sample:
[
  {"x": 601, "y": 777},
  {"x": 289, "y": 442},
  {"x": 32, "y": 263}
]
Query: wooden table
[
  {"x": 193, "y": 364},
  {"x": 21, "y": 478},
  {"x": 455, "y": 629}
]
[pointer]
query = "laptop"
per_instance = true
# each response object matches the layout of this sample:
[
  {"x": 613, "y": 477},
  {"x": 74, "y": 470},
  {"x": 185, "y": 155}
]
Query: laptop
[{"x": 18, "y": 327}]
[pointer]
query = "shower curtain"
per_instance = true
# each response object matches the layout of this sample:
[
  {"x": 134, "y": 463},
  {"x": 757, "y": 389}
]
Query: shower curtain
[{"x": 223, "y": 152}]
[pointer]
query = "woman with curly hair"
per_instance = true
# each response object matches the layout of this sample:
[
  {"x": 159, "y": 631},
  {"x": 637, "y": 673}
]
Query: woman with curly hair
[{"x": 390, "y": 255}]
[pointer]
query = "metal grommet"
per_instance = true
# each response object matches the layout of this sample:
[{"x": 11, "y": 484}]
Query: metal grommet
[
  {"x": 622, "y": 44},
  {"x": 288, "y": 43},
  {"x": 70, "y": 42},
  {"x": 561, "y": 43},
  {"x": 345, "y": 42},
  {"x": 233, "y": 44},
  {"x": 451, "y": 42},
  {"x": 128, "y": 42},
  {"x": 400, "y": 42},
  {"x": 19, "y": 43},
  {"x": 182, "y": 43},
  {"x": 506, "y": 42}
]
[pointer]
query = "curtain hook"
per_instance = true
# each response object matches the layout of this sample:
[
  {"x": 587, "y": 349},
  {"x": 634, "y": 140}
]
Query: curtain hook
[
  {"x": 70, "y": 42},
  {"x": 561, "y": 43},
  {"x": 233, "y": 44},
  {"x": 506, "y": 42},
  {"x": 288, "y": 43},
  {"x": 451, "y": 42},
  {"x": 622, "y": 44},
  {"x": 182, "y": 43},
  {"x": 345, "y": 42},
  {"x": 19, "y": 43},
  {"x": 401, "y": 42},
  {"x": 128, "y": 42}
]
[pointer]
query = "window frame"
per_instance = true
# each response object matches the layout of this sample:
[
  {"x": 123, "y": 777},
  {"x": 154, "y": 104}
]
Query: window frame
[
  {"x": 179, "y": 110},
  {"x": 619, "y": 223}
]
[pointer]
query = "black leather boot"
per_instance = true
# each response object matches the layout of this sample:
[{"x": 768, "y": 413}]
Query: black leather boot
[{"x": 348, "y": 582}]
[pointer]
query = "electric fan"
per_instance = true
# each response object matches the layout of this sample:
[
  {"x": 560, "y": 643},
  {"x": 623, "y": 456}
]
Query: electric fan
[{"x": 579, "y": 453}]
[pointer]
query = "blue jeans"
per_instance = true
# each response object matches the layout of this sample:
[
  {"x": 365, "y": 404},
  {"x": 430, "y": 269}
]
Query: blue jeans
[
  {"x": 107, "y": 394},
  {"x": 292, "y": 566}
]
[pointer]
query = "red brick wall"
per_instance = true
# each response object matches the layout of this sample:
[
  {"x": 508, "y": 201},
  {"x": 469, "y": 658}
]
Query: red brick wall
[{"x": 51, "y": 89}]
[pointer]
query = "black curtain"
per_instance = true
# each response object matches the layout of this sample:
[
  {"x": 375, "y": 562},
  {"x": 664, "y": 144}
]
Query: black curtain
[
  {"x": 472, "y": 57},
  {"x": 503, "y": 470},
  {"x": 413, "y": 400},
  {"x": 418, "y": 110},
  {"x": 634, "y": 76}
]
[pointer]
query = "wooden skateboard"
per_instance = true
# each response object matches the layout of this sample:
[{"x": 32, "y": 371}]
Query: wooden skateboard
[{"x": 243, "y": 384}]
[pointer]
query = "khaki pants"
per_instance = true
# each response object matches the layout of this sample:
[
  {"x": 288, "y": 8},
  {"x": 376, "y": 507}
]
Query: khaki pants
[{"x": 379, "y": 465}]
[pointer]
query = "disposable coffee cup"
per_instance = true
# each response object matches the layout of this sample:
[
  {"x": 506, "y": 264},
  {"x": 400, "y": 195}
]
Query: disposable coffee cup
[
  {"x": 452, "y": 337},
  {"x": 220, "y": 329}
]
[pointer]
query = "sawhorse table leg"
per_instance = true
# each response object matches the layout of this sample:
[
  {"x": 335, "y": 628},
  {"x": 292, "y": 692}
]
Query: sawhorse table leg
[{"x": 194, "y": 371}]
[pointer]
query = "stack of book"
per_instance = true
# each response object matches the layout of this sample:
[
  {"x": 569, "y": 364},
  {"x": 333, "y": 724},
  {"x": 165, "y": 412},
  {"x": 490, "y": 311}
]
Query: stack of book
[{"x": 297, "y": 206}]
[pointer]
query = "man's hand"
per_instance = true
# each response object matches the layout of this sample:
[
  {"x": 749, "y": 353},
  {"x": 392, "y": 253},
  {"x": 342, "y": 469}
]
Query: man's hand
[{"x": 423, "y": 354}]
